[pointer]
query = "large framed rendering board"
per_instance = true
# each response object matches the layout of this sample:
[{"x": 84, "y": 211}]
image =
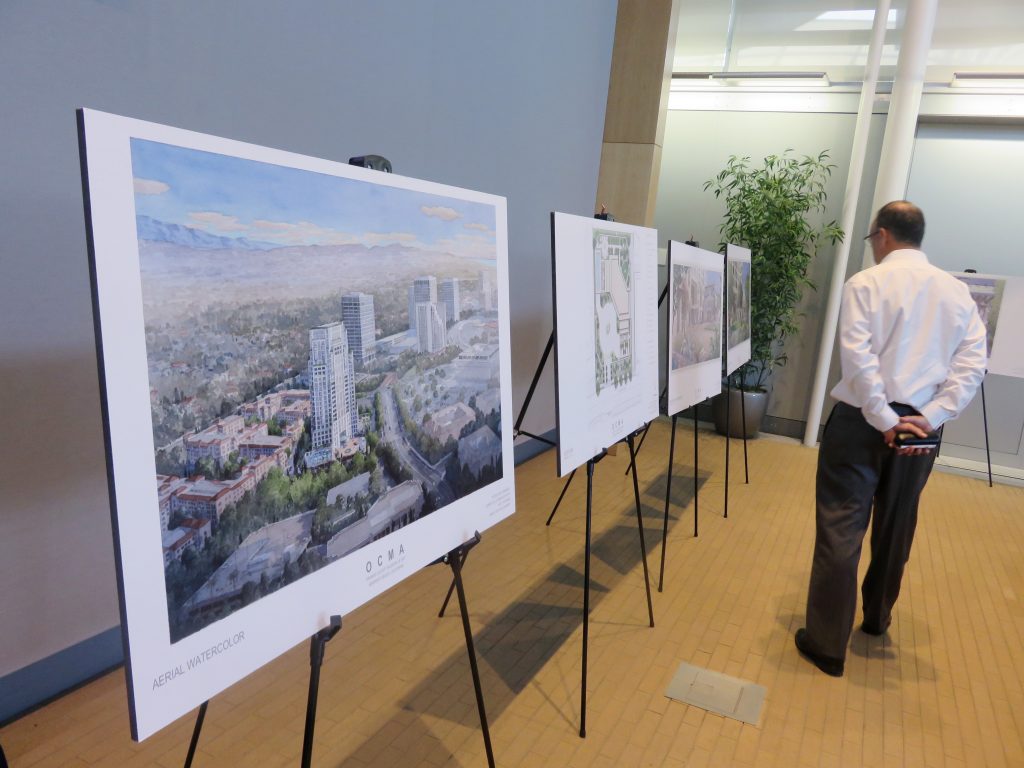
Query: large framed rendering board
[
  {"x": 737, "y": 306},
  {"x": 305, "y": 379},
  {"x": 1000, "y": 301},
  {"x": 606, "y": 333},
  {"x": 694, "y": 325}
]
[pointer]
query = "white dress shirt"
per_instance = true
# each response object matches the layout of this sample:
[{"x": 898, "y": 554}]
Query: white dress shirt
[{"x": 909, "y": 333}]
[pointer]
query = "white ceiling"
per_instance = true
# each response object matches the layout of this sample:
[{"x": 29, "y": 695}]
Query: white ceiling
[{"x": 985, "y": 35}]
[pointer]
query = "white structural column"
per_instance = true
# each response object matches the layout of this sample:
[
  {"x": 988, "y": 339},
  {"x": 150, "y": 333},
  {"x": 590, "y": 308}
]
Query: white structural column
[
  {"x": 894, "y": 167},
  {"x": 901, "y": 123},
  {"x": 850, "y": 201}
]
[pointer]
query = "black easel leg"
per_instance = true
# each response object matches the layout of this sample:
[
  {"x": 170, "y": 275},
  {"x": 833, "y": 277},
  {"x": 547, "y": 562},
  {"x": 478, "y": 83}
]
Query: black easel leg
[
  {"x": 586, "y": 600},
  {"x": 668, "y": 494},
  {"x": 743, "y": 414},
  {"x": 560, "y": 497},
  {"x": 639, "y": 445},
  {"x": 647, "y": 428},
  {"x": 533, "y": 384},
  {"x": 316, "y": 659},
  {"x": 456, "y": 563},
  {"x": 696, "y": 488},
  {"x": 984, "y": 419},
  {"x": 640, "y": 525},
  {"x": 195, "y": 736},
  {"x": 451, "y": 590},
  {"x": 728, "y": 431}
]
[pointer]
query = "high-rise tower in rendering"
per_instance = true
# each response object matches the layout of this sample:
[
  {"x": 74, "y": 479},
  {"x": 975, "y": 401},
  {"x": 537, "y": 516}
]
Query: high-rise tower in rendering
[
  {"x": 448, "y": 294},
  {"x": 332, "y": 387},
  {"x": 422, "y": 289},
  {"x": 357, "y": 314},
  {"x": 430, "y": 326},
  {"x": 486, "y": 296}
]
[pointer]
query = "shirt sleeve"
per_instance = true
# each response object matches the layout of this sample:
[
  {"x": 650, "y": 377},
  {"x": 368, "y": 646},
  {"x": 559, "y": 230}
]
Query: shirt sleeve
[
  {"x": 966, "y": 370},
  {"x": 861, "y": 366}
]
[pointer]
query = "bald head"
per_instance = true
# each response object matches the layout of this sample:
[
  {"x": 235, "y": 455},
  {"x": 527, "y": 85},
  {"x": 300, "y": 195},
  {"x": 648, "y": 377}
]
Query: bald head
[
  {"x": 903, "y": 220},
  {"x": 897, "y": 225}
]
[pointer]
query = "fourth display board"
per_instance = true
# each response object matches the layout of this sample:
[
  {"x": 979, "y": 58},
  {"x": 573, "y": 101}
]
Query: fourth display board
[{"x": 737, "y": 306}]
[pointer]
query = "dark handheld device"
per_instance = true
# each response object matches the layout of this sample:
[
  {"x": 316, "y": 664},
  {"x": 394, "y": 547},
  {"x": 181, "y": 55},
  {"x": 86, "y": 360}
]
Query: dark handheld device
[{"x": 910, "y": 440}]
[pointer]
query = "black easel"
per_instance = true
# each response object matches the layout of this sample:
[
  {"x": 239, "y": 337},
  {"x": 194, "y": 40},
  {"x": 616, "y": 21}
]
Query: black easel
[
  {"x": 728, "y": 380},
  {"x": 195, "y": 734},
  {"x": 668, "y": 491},
  {"x": 517, "y": 429},
  {"x": 456, "y": 559},
  {"x": 984, "y": 420},
  {"x": 984, "y": 412},
  {"x": 728, "y": 397},
  {"x": 728, "y": 430},
  {"x": 629, "y": 440},
  {"x": 586, "y": 567},
  {"x": 316, "y": 657}
]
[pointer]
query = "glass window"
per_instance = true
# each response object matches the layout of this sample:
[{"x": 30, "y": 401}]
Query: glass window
[{"x": 822, "y": 35}]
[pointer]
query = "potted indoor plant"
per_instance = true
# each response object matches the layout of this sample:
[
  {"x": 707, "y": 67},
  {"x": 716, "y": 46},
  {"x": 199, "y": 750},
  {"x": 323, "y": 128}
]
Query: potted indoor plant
[{"x": 773, "y": 210}]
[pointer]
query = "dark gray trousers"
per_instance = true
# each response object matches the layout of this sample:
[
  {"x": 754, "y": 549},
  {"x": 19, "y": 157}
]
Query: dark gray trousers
[{"x": 857, "y": 471}]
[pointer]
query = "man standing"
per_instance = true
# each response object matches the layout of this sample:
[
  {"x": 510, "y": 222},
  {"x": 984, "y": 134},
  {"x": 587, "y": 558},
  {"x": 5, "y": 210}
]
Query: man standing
[{"x": 912, "y": 348}]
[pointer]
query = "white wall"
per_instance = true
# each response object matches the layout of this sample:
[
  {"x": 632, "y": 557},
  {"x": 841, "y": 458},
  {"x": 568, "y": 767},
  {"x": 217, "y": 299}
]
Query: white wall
[{"x": 506, "y": 98}]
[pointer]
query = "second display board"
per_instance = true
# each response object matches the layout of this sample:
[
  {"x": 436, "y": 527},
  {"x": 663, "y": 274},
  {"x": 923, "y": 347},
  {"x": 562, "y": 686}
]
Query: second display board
[{"x": 606, "y": 333}]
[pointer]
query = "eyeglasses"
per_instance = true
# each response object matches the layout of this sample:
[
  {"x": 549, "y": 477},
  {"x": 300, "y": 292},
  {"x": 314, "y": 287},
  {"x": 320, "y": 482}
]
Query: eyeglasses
[{"x": 869, "y": 235}]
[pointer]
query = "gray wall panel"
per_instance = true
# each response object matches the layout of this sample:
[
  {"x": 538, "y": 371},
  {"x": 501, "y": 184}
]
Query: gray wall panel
[{"x": 505, "y": 98}]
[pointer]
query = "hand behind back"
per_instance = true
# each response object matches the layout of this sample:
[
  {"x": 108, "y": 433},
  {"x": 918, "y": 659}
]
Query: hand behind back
[{"x": 914, "y": 424}]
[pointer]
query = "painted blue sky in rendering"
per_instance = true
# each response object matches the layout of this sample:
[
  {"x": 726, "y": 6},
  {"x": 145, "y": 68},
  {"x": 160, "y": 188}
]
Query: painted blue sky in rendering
[{"x": 234, "y": 197}]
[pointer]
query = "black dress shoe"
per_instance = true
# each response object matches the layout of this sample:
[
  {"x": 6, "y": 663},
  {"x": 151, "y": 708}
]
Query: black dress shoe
[
  {"x": 826, "y": 664},
  {"x": 871, "y": 629}
]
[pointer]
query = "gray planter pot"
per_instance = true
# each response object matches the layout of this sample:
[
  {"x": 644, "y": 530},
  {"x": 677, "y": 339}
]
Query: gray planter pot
[{"x": 754, "y": 404}]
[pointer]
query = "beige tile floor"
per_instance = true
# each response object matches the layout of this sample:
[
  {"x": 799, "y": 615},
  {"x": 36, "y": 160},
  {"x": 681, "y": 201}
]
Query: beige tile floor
[{"x": 943, "y": 689}]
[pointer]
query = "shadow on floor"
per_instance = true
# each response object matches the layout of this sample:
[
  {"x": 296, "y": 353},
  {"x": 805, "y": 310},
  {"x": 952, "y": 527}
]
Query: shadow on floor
[{"x": 514, "y": 645}]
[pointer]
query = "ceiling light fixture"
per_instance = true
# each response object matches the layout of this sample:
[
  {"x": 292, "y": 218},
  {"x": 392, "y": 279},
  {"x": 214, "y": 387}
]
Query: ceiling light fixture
[
  {"x": 686, "y": 80},
  {"x": 987, "y": 80}
]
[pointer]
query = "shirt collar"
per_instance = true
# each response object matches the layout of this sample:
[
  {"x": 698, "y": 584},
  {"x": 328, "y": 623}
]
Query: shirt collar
[{"x": 905, "y": 255}]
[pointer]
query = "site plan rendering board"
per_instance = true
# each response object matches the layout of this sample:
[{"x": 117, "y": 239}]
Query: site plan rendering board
[
  {"x": 737, "y": 306},
  {"x": 606, "y": 331},
  {"x": 694, "y": 325},
  {"x": 306, "y": 385}
]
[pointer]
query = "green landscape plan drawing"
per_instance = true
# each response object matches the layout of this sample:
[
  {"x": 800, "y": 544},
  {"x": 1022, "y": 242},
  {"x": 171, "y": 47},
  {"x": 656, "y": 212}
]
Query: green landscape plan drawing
[{"x": 613, "y": 310}]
